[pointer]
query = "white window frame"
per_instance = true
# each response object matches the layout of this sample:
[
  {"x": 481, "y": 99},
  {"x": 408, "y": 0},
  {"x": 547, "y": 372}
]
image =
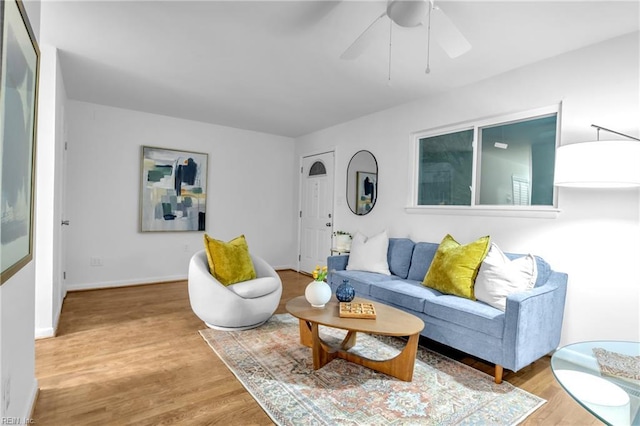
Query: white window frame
[{"x": 476, "y": 209}]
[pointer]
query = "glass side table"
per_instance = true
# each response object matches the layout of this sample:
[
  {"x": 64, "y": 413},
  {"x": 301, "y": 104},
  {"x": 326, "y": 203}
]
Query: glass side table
[{"x": 603, "y": 377}]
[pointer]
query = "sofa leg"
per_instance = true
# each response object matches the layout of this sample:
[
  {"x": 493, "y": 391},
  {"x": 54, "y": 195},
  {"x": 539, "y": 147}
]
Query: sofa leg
[{"x": 498, "y": 374}]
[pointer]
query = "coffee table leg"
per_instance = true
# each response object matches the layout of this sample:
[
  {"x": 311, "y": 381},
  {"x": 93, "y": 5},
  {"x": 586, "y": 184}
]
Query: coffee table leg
[
  {"x": 321, "y": 356},
  {"x": 305, "y": 333},
  {"x": 349, "y": 341},
  {"x": 401, "y": 366}
]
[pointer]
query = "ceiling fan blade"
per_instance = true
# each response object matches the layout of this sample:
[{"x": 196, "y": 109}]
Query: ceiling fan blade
[
  {"x": 362, "y": 42},
  {"x": 452, "y": 41}
]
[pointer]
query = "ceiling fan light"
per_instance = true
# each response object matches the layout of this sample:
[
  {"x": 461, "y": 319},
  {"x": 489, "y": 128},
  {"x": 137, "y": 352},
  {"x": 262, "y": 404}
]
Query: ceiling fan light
[{"x": 407, "y": 13}]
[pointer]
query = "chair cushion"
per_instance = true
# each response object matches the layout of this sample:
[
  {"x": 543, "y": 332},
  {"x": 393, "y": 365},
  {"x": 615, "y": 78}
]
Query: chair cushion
[
  {"x": 454, "y": 267},
  {"x": 255, "y": 288},
  {"x": 230, "y": 262}
]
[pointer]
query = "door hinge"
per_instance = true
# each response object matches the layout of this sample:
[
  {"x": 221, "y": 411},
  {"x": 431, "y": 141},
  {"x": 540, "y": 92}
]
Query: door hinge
[
  {"x": 300, "y": 213},
  {"x": 64, "y": 275},
  {"x": 301, "y": 170},
  {"x": 299, "y": 258}
]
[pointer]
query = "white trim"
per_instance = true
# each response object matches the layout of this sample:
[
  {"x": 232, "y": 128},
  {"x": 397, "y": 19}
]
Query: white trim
[
  {"x": 284, "y": 267},
  {"x": 43, "y": 333},
  {"x": 332, "y": 151},
  {"x": 474, "y": 208},
  {"x": 30, "y": 407},
  {"x": 545, "y": 212},
  {"x": 125, "y": 283}
]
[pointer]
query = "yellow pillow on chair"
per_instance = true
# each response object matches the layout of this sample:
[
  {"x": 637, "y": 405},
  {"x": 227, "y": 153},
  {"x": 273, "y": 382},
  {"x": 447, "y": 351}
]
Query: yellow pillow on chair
[{"x": 230, "y": 262}]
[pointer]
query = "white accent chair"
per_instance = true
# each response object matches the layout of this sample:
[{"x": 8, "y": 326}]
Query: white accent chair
[{"x": 239, "y": 306}]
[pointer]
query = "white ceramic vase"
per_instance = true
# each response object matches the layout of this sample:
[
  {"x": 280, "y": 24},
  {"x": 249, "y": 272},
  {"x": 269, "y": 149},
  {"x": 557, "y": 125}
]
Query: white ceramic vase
[{"x": 318, "y": 293}]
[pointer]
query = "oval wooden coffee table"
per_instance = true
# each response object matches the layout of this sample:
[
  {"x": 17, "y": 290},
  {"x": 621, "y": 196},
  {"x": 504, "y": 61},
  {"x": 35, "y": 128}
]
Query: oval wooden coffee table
[{"x": 389, "y": 321}]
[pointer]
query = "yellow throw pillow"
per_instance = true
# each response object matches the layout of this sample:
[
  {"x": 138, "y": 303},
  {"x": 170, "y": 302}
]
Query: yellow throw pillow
[
  {"x": 454, "y": 267},
  {"x": 229, "y": 262}
]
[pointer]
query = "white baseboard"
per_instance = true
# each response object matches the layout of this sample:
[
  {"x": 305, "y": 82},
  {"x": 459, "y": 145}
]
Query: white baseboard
[
  {"x": 284, "y": 267},
  {"x": 152, "y": 280},
  {"x": 30, "y": 407},
  {"x": 44, "y": 333},
  {"x": 123, "y": 283}
]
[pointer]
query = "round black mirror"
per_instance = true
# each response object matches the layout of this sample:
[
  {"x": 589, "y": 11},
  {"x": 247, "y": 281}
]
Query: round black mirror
[{"x": 362, "y": 182}]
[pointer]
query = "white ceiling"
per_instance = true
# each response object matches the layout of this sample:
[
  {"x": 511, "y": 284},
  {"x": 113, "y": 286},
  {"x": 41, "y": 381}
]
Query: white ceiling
[{"x": 274, "y": 67}]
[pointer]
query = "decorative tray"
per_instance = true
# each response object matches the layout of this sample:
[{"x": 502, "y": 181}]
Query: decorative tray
[{"x": 357, "y": 310}]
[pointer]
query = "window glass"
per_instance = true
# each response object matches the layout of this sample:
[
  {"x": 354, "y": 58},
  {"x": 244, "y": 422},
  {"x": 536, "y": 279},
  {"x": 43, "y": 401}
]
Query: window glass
[
  {"x": 510, "y": 164},
  {"x": 445, "y": 169},
  {"x": 516, "y": 163},
  {"x": 317, "y": 169}
]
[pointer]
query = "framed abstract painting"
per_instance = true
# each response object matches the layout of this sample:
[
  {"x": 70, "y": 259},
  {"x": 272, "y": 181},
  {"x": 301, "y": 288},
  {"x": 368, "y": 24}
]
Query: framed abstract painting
[
  {"x": 18, "y": 106},
  {"x": 173, "y": 196}
]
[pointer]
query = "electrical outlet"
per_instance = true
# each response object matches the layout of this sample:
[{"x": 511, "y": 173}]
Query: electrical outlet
[
  {"x": 95, "y": 261},
  {"x": 186, "y": 247}
]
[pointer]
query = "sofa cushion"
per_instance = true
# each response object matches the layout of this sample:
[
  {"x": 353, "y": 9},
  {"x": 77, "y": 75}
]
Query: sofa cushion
[
  {"x": 369, "y": 254},
  {"x": 404, "y": 293},
  {"x": 455, "y": 266},
  {"x": 420, "y": 260},
  {"x": 360, "y": 280},
  {"x": 230, "y": 262},
  {"x": 466, "y": 313},
  {"x": 399, "y": 256},
  {"x": 255, "y": 288},
  {"x": 500, "y": 276}
]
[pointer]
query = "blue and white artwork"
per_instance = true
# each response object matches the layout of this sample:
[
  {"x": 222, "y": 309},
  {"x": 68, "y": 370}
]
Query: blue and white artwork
[{"x": 174, "y": 190}]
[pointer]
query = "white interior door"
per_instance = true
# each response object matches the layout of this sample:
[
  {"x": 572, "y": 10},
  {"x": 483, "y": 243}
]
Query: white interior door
[
  {"x": 316, "y": 210},
  {"x": 62, "y": 241}
]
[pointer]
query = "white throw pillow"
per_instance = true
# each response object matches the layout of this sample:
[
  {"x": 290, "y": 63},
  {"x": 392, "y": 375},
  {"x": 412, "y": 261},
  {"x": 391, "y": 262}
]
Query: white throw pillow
[
  {"x": 369, "y": 254},
  {"x": 499, "y": 276}
]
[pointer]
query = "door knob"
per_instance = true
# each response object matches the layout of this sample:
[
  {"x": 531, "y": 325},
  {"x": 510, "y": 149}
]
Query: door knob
[
  {"x": 328, "y": 223},
  {"x": 65, "y": 222}
]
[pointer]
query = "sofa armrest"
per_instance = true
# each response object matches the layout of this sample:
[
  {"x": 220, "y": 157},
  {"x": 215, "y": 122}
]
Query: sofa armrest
[{"x": 533, "y": 322}]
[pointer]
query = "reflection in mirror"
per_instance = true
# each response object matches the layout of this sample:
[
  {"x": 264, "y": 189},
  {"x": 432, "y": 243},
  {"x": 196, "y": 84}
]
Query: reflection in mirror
[{"x": 362, "y": 182}]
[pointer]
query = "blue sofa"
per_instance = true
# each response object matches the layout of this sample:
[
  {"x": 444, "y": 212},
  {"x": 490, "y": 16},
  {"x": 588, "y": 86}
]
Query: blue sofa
[{"x": 527, "y": 330}]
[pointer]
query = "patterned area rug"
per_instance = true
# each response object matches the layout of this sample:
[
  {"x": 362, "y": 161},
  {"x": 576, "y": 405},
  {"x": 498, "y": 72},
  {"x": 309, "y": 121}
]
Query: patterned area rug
[{"x": 278, "y": 372}]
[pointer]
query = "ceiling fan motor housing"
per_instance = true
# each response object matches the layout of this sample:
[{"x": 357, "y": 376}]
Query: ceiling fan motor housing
[{"x": 408, "y": 13}]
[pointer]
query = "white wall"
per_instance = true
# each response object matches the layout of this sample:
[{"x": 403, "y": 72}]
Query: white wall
[
  {"x": 250, "y": 189},
  {"x": 18, "y": 384},
  {"x": 595, "y": 238}
]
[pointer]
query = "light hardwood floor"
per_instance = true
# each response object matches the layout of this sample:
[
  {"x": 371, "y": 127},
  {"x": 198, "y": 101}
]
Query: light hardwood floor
[{"x": 133, "y": 355}]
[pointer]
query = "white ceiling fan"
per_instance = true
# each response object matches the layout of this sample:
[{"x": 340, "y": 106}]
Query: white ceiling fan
[{"x": 414, "y": 13}]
